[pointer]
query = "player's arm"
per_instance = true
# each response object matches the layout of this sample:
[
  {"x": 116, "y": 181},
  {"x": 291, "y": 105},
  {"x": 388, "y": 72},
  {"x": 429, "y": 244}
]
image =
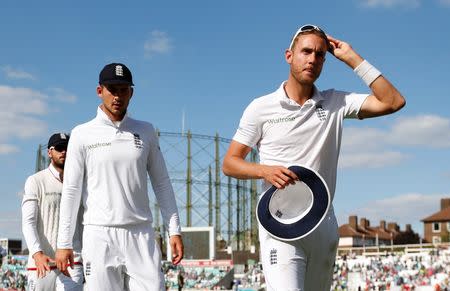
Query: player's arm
[
  {"x": 385, "y": 98},
  {"x": 70, "y": 202},
  {"x": 30, "y": 212},
  {"x": 235, "y": 165},
  {"x": 159, "y": 177}
]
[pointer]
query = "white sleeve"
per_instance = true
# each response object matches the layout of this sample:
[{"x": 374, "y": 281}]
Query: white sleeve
[
  {"x": 353, "y": 103},
  {"x": 71, "y": 193},
  {"x": 30, "y": 211},
  {"x": 159, "y": 177},
  {"x": 249, "y": 131}
]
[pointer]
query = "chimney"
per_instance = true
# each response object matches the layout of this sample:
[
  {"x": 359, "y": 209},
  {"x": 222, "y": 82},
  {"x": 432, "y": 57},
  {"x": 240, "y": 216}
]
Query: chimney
[
  {"x": 383, "y": 225},
  {"x": 364, "y": 223},
  {"x": 393, "y": 226},
  {"x": 353, "y": 221},
  {"x": 408, "y": 228},
  {"x": 445, "y": 203}
]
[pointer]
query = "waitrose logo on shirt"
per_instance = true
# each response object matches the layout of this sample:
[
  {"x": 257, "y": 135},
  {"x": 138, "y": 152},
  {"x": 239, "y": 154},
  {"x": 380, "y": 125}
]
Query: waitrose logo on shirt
[
  {"x": 98, "y": 145},
  {"x": 281, "y": 119}
]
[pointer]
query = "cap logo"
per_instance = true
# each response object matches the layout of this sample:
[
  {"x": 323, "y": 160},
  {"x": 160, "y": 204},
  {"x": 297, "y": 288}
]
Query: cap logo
[
  {"x": 62, "y": 136},
  {"x": 119, "y": 70}
]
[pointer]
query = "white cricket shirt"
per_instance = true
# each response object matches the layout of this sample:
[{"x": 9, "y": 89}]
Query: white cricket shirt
[
  {"x": 40, "y": 213},
  {"x": 106, "y": 167},
  {"x": 287, "y": 134}
]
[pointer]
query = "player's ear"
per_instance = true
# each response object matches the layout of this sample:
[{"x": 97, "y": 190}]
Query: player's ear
[
  {"x": 132, "y": 91},
  {"x": 288, "y": 56},
  {"x": 99, "y": 90}
]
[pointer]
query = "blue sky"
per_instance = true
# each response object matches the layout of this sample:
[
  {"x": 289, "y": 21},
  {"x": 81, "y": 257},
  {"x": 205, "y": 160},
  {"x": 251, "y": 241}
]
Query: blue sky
[{"x": 209, "y": 59}]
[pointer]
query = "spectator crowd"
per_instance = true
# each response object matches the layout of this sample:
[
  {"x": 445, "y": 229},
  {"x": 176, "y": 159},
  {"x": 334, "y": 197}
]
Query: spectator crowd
[
  {"x": 418, "y": 271},
  {"x": 13, "y": 273},
  {"x": 201, "y": 278}
]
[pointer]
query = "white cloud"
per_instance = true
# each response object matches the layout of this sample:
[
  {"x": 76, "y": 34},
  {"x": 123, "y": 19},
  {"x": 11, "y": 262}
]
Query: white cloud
[
  {"x": 403, "y": 209},
  {"x": 12, "y": 73},
  {"x": 445, "y": 2},
  {"x": 159, "y": 43},
  {"x": 391, "y": 3},
  {"x": 355, "y": 138},
  {"x": 22, "y": 100},
  {"x": 22, "y": 110},
  {"x": 366, "y": 148},
  {"x": 63, "y": 95},
  {"x": 16, "y": 125},
  {"x": 371, "y": 159},
  {"x": 374, "y": 147},
  {"x": 424, "y": 130},
  {"x": 8, "y": 149}
]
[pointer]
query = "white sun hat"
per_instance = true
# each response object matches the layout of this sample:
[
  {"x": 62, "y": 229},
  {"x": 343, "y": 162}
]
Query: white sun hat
[{"x": 298, "y": 209}]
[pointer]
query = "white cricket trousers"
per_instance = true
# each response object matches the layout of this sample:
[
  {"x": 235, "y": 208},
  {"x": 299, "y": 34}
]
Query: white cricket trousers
[
  {"x": 121, "y": 258},
  {"x": 55, "y": 280},
  {"x": 302, "y": 265}
]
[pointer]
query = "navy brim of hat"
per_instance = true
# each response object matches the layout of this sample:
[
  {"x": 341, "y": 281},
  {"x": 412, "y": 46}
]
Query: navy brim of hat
[
  {"x": 61, "y": 142},
  {"x": 114, "y": 82},
  {"x": 309, "y": 221}
]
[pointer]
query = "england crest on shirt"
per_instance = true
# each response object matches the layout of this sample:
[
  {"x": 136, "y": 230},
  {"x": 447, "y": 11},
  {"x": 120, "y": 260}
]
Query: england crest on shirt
[
  {"x": 138, "y": 143},
  {"x": 321, "y": 113}
]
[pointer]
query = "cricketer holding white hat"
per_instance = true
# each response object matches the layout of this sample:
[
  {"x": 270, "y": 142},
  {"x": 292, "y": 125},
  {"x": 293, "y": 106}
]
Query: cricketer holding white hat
[{"x": 299, "y": 125}]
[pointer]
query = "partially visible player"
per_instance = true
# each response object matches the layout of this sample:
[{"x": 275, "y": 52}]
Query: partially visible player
[
  {"x": 110, "y": 157},
  {"x": 300, "y": 125},
  {"x": 40, "y": 219}
]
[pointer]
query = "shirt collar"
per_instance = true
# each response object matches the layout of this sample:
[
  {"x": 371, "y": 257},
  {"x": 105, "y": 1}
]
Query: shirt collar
[
  {"x": 54, "y": 172},
  {"x": 285, "y": 100},
  {"x": 103, "y": 118}
]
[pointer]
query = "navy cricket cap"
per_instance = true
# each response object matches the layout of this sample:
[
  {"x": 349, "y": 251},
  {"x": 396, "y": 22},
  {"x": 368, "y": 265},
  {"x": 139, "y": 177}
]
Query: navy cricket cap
[
  {"x": 58, "y": 139},
  {"x": 115, "y": 73},
  {"x": 297, "y": 210}
]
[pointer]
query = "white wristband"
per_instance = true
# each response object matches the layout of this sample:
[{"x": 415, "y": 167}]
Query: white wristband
[{"x": 367, "y": 72}]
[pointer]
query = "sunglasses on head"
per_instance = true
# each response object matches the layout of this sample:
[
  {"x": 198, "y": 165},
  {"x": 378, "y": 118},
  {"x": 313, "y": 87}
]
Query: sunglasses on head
[
  {"x": 308, "y": 27},
  {"x": 59, "y": 148}
]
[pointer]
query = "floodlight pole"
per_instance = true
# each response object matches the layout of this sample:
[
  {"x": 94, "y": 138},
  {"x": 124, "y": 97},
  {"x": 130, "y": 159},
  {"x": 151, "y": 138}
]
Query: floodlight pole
[
  {"x": 238, "y": 210},
  {"x": 230, "y": 219},
  {"x": 253, "y": 198},
  {"x": 217, "y": 162},
  {"x": 189, "y": 181},
  {"x": 244, "y": 213},
  {"x": 210, "y": 193}
]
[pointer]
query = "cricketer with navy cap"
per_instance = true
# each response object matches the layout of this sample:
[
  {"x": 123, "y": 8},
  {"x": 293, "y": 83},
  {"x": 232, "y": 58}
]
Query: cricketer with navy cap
[
  {"x": 300, "y": 125},
  {"x": 40, "y": 219},
  {"x": 110, "y": 158}
]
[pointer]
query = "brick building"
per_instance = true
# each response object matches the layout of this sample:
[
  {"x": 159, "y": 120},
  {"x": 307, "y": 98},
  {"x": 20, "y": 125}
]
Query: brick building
[
  {"x": 353, "y": 234},
  {"x": 436, "y": 228}
]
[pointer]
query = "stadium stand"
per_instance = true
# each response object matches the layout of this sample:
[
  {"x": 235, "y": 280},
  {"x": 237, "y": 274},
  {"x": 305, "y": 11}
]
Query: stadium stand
[
  {"x": 427, "y": 270},
  {"x": 13, "y": 273}
]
